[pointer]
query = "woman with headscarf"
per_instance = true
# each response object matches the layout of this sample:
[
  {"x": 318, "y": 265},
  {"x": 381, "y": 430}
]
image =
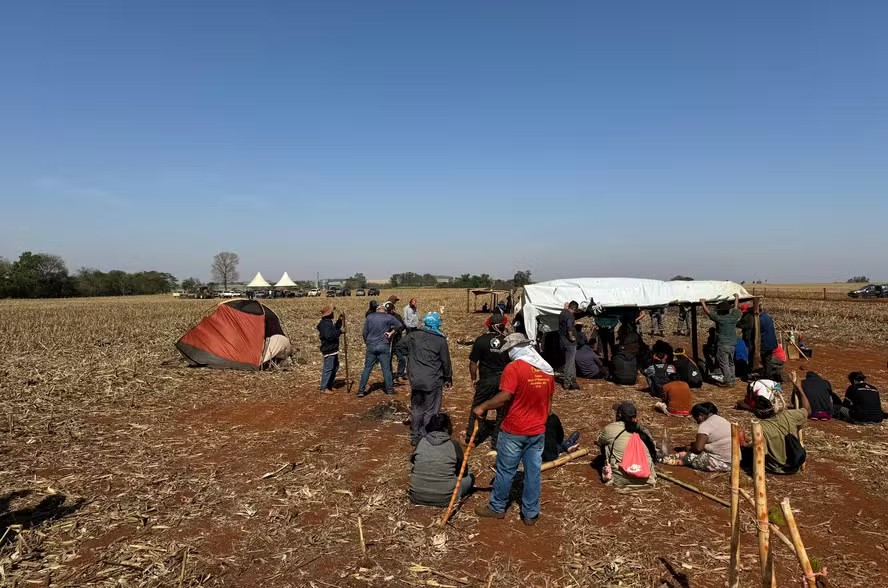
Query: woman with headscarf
[{"x": 430, "y": 372}]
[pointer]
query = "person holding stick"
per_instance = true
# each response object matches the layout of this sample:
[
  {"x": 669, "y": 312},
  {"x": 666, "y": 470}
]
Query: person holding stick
[
  {"x": 436, "y": 461},
  {"x": 527, "y": 385},
  {"x": 329, "y": 333}
]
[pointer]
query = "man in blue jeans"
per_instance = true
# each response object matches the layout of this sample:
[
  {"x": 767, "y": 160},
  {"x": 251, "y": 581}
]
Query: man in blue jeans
[
  {"x": 329, "y": 333},
  {"x": 378, "y": 330},
  {"x": 528, "y": 382}
]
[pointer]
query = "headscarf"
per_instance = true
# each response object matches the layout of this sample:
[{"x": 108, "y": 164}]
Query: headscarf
[
  {"x": 530, "y": 355},
  {"x": 432, "y": 323}
]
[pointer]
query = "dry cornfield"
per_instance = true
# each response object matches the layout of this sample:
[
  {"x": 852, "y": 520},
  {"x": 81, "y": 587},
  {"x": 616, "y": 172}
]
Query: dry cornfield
[{"x": 122, "y": 468}]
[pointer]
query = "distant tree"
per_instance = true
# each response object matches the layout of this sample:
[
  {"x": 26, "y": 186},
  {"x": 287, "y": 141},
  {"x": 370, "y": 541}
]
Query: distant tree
[
  {"x": 393, "y": 281},
  {"x": 522, "y": 278},
  {"x": 225, "y": 268},
  {"x": 858, "y": 280},
  {"x": 356, "y": 281},
  {"x": 5, "y": 269},
  {"x": 191, "y": 285},
  {"x": 681, "y": 278},
  {"x": 39, "y": 275}
]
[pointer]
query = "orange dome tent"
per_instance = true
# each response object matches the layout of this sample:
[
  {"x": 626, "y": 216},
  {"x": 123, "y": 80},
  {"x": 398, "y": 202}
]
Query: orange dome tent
[{"x": 234, "y": 336}]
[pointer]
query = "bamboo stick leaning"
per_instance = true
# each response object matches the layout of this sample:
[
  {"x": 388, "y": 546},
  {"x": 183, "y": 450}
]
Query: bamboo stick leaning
[
  {"x": 761, "y": 507},
  {"x": 462, "y": 471},
  {"x": 734, "y": 567},
  {"x": 801, "y": 552}
]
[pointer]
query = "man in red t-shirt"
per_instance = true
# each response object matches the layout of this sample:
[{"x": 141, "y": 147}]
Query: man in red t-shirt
[{"x": 527, "y": 385}]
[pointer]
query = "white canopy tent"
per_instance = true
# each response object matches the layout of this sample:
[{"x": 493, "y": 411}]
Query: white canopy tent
[
  {"x": 285, "y": 282},
  {"x": 258, "y": 282},
  {"x": 542, "y": 303}
]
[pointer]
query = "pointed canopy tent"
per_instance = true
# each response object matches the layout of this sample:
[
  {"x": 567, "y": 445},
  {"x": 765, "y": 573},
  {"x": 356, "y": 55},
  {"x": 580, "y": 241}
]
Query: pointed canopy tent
[
  {"x": 542, "y": 303},
  {"x": 258, "y": 282},
  {"x": 233, "y": 336},
  {"x": 285, "y": 282}
]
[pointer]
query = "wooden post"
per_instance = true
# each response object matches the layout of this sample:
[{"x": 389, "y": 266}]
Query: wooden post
[
  {"x": 694, "y": 342},
  {"x": 761, "y": 508},
  {"x": 755, "y": 361},
  {"x": 824, "y": 293},
  {"x": 801, "y": 553},
  {"x": 348, "y": 380},
  {"x": 467, "y": 301},
  {"x": 734, "y": 569}
]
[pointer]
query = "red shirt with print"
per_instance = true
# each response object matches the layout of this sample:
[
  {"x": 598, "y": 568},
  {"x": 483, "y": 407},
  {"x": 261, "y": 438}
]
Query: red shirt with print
[{"x": 531, "y": 391}]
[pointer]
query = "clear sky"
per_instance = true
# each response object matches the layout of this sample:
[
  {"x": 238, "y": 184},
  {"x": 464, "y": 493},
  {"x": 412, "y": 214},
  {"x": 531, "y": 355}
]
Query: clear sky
[{"x": 735, "y": 140}]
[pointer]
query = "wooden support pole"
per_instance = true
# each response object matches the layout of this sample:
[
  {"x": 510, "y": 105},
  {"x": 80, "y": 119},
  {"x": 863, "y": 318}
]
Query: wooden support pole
[
  {"x": 755, "y": 361},
  {"x": 467, "y": 301},
  {"x": 761, "y": 508},
  {"x": 564, "y": 459},
  {"x": 801, "y": 553},
  {"x": 734, "y": 569},
  {"x": 694, "y": 341}
]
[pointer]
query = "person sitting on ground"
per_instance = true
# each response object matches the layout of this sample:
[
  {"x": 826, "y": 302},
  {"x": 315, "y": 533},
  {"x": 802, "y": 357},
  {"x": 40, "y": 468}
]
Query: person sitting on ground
[
  {"x": 757, "y": 389},
  {"x": 661, "y": 347},
  {"x": 741, "y": 359},
  {"x": 437, "y": 460},
  {"x": 862, "y": 404},
  {"x": 625, "y": 367},
  {"x": 784, "y": 453},
  {"x": 725, "y": 319},
  {"x": 485, "y": 308},
  {"x": 555, "y": 444},
  {"x": 688, "y": 371},
  {"x": 677, "y": 397},
  {"x": 711, "y": 450},
  {"x": 614, "y": 440},
  {"x": 658, "y": 375},
  {"x": 589, "y": 365},
  {"x": 824, "y": 402}
]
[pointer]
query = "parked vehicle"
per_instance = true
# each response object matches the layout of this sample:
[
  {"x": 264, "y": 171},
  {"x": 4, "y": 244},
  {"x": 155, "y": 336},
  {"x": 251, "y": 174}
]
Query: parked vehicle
[
  {"x": 331, "y": 293},
  {"x": 314, "y": 292},
  {"x": 229, "y": 294},
  {"x": 870, "y": 291},
  {"x": 360, "y": 292},
  {"x": 344, "y": 292},
  {"x": 373, "y": 292},
  {"x": 299, "y": 294}
]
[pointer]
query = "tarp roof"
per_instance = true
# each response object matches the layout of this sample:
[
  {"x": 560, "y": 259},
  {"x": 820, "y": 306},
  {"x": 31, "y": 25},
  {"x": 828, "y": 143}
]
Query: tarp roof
[
  {"x": 285, "y": 282},
  {"x": 546, "y": 299},
  {"x": 258, "y": 282}
]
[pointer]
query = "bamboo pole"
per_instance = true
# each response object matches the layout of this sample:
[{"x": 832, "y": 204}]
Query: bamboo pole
[
  {"x": 761, "y": 508},
  {"x": 801, "y": 552},
  {"x": 564, "y": 459},
  {"x": 462, "y": 471},
  {"x": 734, "y": 569},
  {"x": 774, "y": 528},
  {"x": 693, "y": 488}
]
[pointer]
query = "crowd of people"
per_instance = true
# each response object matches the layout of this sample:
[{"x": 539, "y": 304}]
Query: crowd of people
[{"x": 513, "y": 382}]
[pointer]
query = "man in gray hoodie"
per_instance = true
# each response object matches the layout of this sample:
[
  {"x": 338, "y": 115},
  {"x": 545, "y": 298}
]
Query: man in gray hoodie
[
  {"x": 429, "y": 370},
  {"x": 436, "y": 461}
]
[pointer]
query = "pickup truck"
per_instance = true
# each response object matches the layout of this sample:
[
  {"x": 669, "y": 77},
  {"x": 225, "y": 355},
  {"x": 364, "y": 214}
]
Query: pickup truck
[{"x": 314, "y": 292}]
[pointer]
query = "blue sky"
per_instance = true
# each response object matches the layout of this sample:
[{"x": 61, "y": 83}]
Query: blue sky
[{"x": 644, "y": 139}]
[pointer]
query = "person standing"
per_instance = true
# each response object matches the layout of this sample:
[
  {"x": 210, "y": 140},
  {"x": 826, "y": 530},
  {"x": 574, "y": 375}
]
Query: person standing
[
  {"x": 746, "y": 324},
  {"x": 411, "y": 316},
  {"x": 379, "y": 328},
  {"x": 725, "y": 320},
  {"x": 398, "y": 345},
  {"x": 430, "y": 372},
  {"x": 772, "y": 368},
  {"x": 657, "y": 316},
  {"x": 684, "y": 320},
  {"x": 607, "y": 324},
  {"x": 329, "y": 333},
  {"x": 567, "y": 337},
  {"x": 527, "y": 383},
  {"x": 486, "y": 365}
]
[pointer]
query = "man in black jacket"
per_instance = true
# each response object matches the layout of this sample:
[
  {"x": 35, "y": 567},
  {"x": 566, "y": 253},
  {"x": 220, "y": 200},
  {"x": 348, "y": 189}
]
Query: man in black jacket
[
  {"x": 329, "y": 333},
  {"x": 486, "y": 365},
  {"x": 429, "y": 370}
]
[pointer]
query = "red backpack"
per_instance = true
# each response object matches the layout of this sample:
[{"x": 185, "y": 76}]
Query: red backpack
[{"x": 635, "y": 459}]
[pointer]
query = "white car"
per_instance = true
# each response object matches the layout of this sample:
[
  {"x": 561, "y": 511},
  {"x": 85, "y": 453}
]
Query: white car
[
  {"x": 229, "y": 294},
  {"x": 314, "y": 292}
]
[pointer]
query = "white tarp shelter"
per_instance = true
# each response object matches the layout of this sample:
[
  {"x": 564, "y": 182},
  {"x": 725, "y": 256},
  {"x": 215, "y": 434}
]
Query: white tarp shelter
[
  {"x": 258, "y": 282},
  {"x": 545, "y": 301},
  {"x": 284, "y": 282}
]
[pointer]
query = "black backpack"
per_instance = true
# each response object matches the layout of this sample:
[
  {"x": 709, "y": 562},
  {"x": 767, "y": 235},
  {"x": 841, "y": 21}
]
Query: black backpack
[
  {"x": 659, "y": 378},
  {"x": 688, "y": 371},
  {"x": 795, "y": 454}
]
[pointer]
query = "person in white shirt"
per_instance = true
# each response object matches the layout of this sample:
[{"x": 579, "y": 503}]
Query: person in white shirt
[{"x": 411, "y": 316}]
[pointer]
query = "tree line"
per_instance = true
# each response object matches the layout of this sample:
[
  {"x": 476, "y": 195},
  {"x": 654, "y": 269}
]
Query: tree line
[
  {"x": 521, "y": 278},
  {"x": 44, "y": 275}
]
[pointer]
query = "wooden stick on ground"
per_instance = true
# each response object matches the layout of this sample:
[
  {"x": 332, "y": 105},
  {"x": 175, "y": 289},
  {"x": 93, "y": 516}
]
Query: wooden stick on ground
[
  {"x": 761, "y": 507},
  {"x": 361, "y": 536},
  {"x": 462, "y": 471},
  {"x": 801, "y": 553},
  {"x": 564, "y": 459},
  {"x": 693, "y": 488},
  {"x": 734, "y": 568}
]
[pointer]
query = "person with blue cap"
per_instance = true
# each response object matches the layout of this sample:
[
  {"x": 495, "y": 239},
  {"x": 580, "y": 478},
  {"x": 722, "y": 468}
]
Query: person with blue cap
[{"x": 430, "y": 372}]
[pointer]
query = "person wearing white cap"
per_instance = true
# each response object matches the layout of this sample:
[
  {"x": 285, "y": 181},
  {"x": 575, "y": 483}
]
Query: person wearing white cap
[{"x": 527, "y": 385}]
